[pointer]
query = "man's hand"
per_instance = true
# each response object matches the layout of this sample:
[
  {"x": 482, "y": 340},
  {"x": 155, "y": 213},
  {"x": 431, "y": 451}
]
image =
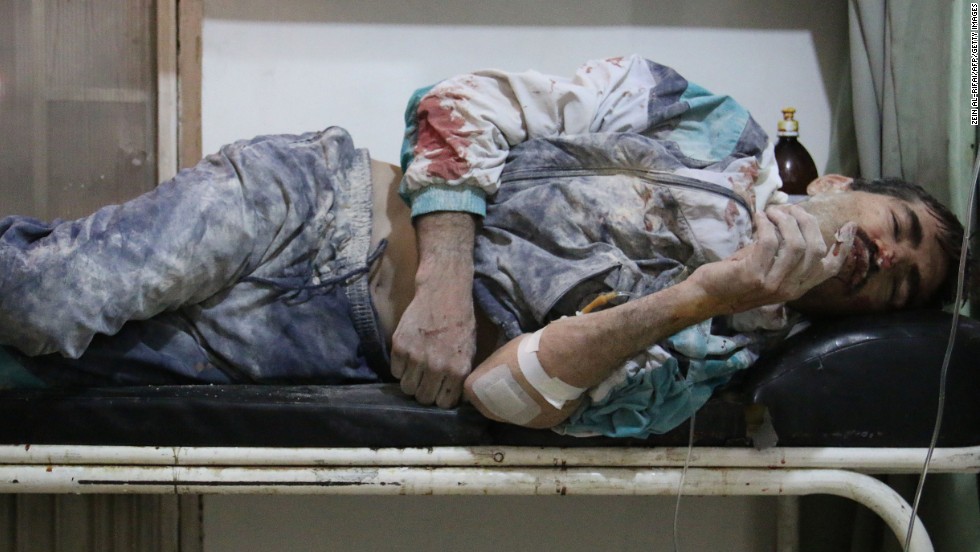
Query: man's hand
[
  {"x": 788, "y": 258},
  {"x": 434, "y": 343}
]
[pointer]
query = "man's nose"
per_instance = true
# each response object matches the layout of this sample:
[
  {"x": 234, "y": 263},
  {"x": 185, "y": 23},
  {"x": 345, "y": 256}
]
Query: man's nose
[{"x": 891, "y": 254}]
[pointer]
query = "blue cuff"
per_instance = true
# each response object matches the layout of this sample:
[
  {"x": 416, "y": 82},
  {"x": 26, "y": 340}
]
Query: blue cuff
[{"x": 444, "y": 198}]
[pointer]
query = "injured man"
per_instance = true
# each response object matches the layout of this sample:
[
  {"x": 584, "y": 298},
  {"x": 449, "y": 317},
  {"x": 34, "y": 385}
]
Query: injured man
[{"x": 595, "y": 254}]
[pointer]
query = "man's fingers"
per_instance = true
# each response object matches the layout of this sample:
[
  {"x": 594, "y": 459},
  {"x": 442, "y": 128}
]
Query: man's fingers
[
  {"x": 811, "y": 231},
  {"x": 815, "y": 248},
  {"x": 450, "y": 393},
  {"x": 411, "y": 378},
  {"x": 399, "y": 353},
  {"x": 792, "y": 246},
  {"x": 397, "y": 364},
  {"x": 432, "y": 348},
  {"x": 442, "y": 387},
  {"x": 428, "y": 376},
  {"x": 766, "y": 242},
  {"x": 430, "y": 385},
  {"x": 841, "y": 250}
]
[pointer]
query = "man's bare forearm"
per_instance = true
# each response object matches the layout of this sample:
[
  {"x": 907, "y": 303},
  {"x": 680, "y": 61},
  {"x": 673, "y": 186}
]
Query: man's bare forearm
[
  {"x": 583, "y": 350},
  {"x": 773, "y": 270},
  {"x": 433, "y": 346},
  {"x": 445, "y": 241}
]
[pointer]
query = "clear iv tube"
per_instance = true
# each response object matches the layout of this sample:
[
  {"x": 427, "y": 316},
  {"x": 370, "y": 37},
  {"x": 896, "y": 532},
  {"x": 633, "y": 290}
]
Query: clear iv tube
[
  {"x": 957, "y": 306},
  {"x": 680, "y": 485}
]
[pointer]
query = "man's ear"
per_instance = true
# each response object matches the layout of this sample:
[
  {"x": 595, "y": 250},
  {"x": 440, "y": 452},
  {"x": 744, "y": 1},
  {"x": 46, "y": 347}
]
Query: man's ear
[{"x": 829, "y": 184}]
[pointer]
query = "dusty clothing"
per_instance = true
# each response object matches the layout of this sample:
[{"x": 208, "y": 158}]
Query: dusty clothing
[
  {"x": 625, "y": 178},
  {"x": 250, "y": 267},
  {"x": 618, "y": 219}
]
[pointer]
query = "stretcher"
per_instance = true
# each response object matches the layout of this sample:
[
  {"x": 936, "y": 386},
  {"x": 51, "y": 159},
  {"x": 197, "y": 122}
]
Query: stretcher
[{"x": 834, "y": 406}]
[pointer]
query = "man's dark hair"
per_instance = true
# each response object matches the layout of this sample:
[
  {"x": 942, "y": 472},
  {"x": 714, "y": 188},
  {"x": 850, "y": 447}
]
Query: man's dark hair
[{"x": 950, "y": 236}]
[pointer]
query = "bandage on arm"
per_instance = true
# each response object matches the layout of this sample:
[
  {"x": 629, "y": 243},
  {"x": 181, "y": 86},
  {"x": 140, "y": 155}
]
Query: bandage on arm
[
  {"x": 512, "y": 386},
  {"x": 551, "y": 388}
]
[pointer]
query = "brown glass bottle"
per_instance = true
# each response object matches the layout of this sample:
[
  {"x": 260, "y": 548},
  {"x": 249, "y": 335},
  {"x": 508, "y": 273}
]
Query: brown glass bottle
[{"x": 796, "y": 167}]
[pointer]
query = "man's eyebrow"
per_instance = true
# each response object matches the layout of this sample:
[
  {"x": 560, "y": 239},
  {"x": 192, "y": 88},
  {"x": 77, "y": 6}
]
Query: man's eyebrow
[{"x": 915, "y": 226}]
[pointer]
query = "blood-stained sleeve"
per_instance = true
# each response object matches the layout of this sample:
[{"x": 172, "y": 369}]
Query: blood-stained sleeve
[{"x": 458, "y": 132}]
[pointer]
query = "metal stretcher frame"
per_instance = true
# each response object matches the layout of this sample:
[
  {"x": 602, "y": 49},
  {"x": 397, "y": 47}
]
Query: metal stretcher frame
[{"x": 504, "y": 470}]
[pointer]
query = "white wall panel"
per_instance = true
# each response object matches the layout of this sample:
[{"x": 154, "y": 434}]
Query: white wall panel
[{"x": 306, "y": 64}]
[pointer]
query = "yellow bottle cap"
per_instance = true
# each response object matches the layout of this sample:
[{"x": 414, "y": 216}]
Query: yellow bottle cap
[{"x": 788, "y": 126}]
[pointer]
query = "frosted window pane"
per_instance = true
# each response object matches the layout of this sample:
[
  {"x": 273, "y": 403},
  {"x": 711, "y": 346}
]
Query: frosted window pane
[{"x": 77, "y": 104}]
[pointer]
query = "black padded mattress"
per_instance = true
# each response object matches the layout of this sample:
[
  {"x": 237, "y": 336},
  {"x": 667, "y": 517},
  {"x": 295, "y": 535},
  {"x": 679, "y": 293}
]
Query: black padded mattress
[{"x": 860, "y": 382}]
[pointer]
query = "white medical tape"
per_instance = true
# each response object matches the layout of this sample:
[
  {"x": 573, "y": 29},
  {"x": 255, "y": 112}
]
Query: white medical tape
[
  {"x": 555, "y": 391},
  {"x": 504, "y": 397}
]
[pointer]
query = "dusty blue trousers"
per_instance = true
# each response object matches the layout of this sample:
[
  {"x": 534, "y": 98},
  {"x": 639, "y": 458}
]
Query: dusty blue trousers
[{"x": 249, "y": 267}]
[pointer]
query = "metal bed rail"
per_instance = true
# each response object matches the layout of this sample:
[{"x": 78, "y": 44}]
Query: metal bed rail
[{"x": 490, "y": 470}]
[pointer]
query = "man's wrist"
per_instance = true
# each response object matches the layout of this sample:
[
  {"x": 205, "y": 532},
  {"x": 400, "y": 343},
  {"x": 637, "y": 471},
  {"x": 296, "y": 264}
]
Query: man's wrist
[
  {"x": 445, "y": 235},
  {"x": 700, "y": 304},
  {"x": 704, "y": 301},
  {"x": 449, "y": 277},
  {"x": 448, "y": 255},
  {"x": 446, "y": 241}
]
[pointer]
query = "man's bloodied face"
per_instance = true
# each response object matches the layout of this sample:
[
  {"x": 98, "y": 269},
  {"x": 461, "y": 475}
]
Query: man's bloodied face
[{"x": 896, "y": 261}]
